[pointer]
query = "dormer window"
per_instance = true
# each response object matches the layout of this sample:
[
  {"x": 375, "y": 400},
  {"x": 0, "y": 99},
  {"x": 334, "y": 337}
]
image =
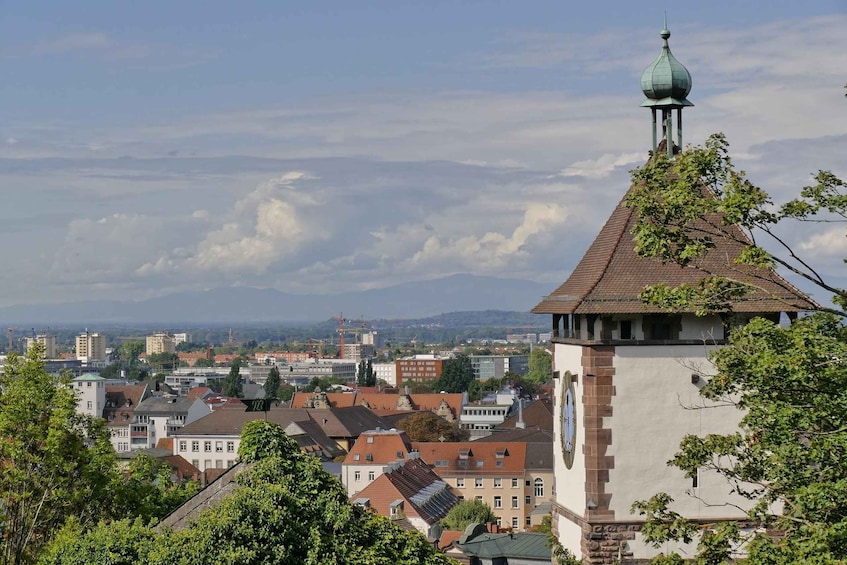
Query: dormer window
[{"x": 369, "y": 457}]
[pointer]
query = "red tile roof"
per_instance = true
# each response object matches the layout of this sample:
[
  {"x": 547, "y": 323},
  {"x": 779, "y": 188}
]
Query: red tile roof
[
  {"x": 458, "y": 458},
  {"x": 379, "y": 447},
  {"x": 610, "y": 276}
]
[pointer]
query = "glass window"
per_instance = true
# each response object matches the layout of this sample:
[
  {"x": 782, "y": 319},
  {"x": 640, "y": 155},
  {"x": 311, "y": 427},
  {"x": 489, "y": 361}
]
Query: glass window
[
  {"x": 528, "y": 521},
  {"x": 230, "y": 447},
  {"x": 370, "y": 475},
  {"x": 478, "y": 482},
  {"x": 182, "y": 445},
  {"x": 515, "y": 483},
  {"x": 498, "y": 482},
  {"x": 219, "y": 447},
  {"x": 207, "y": 446},
  {"x": 195, "y": 446},
  {"x": 539, "y": 487},
  {"x": 498, "y": 502},
  {"x": 357, "y": 476},
  {"x": 527, "y": 500},
  {"x": 514, "y": 521},
  {"x": 460, "y": 483},
  {"x": 514, "y": 502}
]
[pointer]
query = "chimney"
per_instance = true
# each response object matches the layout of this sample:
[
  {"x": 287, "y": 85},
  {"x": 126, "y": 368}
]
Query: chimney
[{"x": 520, "y": 424}]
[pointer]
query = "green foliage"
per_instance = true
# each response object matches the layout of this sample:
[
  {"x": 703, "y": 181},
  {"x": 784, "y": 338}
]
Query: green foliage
[
  {"x": 285, "y": 392},
  {"x": 426, "y": 426},
  {"x": 204, "y": 362},
  {"x": 790, "y": 447},
  {"x": 159, "y": 361},
  {"x": 323, "y": 383},
  {"x": 55, "y": 463},
  {"x": 272, "y": 384},
  {"x": 232, "y": 383},
  {"x": 287, "y": 510},
  {"x": 540, "y": 367},
  {"x": 129, "y": 352},
  {"x": 468, "y": 512},
  {"x": 789, "y": 450},
  {"x": 456, "y": 374},
  {"x": 684, "y": 205},
  {"x": 147, "y": 490},
  {"x": 120, "y": 542}
]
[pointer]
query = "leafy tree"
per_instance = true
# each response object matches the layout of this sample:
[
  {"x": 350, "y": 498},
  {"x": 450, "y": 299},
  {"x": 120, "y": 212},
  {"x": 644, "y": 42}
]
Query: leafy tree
[
  {"x": 232, "y": 383},
  {"x": 147, "y": 491},
  {"x": 456, "y": 374},
  {"x": 324, "y": 383},
  {"x": 685, "y": 204},
  {"x": 468, "y": 512},
  {"x": 129, "y": 352},
  {"x": 361, "y": 373},
  {"x": 370, "y": 375},
  {"x": 55, "y": 462},
  {"x": 287, "y": 510},
  {"x": 272, "y": 384},
  {"x": 540, "y": 366},
  {"x": 789, "y": 381},
  {"x": 420, "y": 387},
  {"x": 427, "y": 426},
  {"x": 285, "y": 392},
  {"x": 163, "y": 361},
  {"x": 204, "y": 362}
]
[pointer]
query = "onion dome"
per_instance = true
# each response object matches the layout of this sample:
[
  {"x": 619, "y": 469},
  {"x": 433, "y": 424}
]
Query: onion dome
[{"x": 666, "y": 82}]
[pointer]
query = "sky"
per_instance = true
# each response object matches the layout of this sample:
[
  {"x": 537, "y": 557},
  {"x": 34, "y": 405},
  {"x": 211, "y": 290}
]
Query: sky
[{"x": 148, "y": 148}]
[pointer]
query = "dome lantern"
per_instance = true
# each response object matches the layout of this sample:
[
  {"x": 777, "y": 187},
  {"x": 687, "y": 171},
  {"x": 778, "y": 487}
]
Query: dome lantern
[{"x": 666, "y": 84}]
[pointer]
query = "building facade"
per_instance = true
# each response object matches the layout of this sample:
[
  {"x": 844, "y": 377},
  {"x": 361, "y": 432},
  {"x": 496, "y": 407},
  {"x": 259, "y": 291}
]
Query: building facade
[
  {"x": 160, "y": 342},
  {"x": 419, "y": 368},
  {"x": 90, "y": 347}
]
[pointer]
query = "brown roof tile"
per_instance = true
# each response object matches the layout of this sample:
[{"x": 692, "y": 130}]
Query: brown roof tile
[
  {"x": 610, "y": 276},
  {"x": 458, "y": 458},
  {"x": 376, "y": 447}
]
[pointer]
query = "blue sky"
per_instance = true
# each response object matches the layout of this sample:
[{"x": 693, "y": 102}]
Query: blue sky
[{"x": 152, "y": 147}]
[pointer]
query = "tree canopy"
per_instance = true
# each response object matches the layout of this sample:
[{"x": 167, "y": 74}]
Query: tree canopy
[
  {"x": 272, "y": 384},
  {"x": 286, "y": 510},
  {"x": 468, "y": 512},
  {"x": 456, "y": 374},
  {"x": 55, "y": 462},
  {"x": 233, "y": 386},
  {"x": 789, "y": 381},
  {"x": 427, "y": 426},
  {"x": 540, "y": 367}
]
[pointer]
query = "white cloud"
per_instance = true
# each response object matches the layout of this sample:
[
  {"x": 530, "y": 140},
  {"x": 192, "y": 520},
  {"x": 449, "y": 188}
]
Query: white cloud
[
  {"x": 603, "y": 166},
  {"x": 831, "y": 243}
]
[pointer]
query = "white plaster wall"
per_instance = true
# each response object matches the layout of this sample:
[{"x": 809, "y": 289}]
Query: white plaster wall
[
  {"x": 348, "y": 476},
  {"x": 651, "y": 414},
  {"x": 570, "y": 483},
  {"x": 570, "y": 535},
  {"x": 707, "y": 328}
]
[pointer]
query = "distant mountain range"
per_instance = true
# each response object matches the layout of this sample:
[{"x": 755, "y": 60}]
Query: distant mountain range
[{"x": 244, "y": 305}]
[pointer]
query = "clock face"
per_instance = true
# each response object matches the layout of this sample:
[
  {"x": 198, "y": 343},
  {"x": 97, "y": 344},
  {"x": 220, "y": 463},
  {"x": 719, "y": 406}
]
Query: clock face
[{"x": 568, "y": 420}]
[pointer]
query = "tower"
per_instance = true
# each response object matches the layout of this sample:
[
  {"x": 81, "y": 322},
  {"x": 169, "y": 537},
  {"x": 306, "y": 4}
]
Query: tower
[
  {"x": 666, "y": 84},
  {"x": 628, "y": 374}
]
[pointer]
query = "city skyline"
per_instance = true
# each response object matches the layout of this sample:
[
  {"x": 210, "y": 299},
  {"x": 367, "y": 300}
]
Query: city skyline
[{"x": 147, "y": 150}]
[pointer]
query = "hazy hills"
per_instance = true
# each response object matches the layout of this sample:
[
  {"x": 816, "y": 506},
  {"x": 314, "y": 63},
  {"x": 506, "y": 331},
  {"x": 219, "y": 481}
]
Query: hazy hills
[{"x": 241, "y": 304}]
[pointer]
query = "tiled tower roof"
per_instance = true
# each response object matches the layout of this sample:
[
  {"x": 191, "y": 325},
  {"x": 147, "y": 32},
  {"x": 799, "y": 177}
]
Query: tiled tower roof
[{"x": 610, "y": 277}]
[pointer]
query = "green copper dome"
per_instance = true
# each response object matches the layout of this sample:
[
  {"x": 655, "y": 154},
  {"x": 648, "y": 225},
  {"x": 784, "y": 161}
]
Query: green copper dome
[{"x": 666, "y": 82}]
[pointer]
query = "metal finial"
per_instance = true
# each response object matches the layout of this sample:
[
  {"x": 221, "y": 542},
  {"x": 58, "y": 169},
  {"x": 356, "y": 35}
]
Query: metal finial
[{"x": 665, "y": 31}]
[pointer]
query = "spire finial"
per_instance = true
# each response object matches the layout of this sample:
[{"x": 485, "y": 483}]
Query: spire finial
[{"x": 665, "y": 31}]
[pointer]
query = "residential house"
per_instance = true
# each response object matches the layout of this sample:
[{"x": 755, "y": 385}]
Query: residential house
[
  {"x": 163, "y": 415},
  {"x": 119, "y": 413},
  {"x": 372, "y": 452},
  {"x": 409, "y": 491},
  {"x": 511, "y": 477}
]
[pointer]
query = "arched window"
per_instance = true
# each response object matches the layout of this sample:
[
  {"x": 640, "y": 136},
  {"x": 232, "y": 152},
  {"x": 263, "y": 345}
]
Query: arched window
[{"x": 539, "y": 487}]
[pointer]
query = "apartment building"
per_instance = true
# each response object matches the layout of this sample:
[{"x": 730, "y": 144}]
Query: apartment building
[
  {"x": 160, "y": 342},
  {"x": 513, "y": 478},
  {"x": 119, "y": 413},
  {"x": 47, "y": 341},
  {"x": 90, "y": 347},
  {"x": 372, "y": 452}
]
